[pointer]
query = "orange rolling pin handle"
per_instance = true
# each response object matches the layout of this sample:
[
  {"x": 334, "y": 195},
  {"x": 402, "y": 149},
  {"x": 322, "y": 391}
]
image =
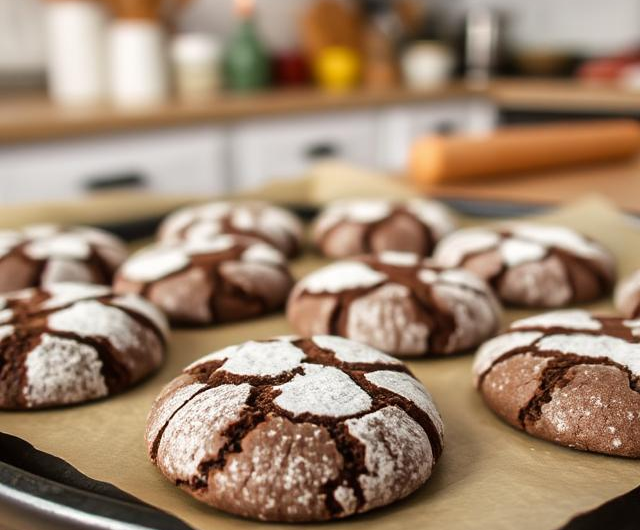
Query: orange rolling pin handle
[{"x": 436, "y": 160}]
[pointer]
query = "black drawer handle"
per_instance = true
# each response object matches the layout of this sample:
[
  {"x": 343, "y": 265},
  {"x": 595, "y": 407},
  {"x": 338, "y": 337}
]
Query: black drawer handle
[
  {"x": 130, "y": 180},
  {"x": 445, "y": 128},
  {"x": 322, "y": 150}
]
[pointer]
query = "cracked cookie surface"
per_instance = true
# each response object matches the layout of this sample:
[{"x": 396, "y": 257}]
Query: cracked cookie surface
[
  {"x": 363, "y": 226},
  {"x": 71, "y": 343},
  {"x": 568, "y": 377},
  {"x": 40, "y": 255},
  {"x": 397, "y": 302},
  {"x": 532, "y": 265},
  {"x": 222, "y": 279},
  {"x": 296, "y": 429},
  {"x": 263, "y": 221}
]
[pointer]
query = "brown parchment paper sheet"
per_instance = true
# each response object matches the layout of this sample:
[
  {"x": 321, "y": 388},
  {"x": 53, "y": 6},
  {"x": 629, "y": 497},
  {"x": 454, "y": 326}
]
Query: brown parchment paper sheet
[{"x": 490, "y": 475}]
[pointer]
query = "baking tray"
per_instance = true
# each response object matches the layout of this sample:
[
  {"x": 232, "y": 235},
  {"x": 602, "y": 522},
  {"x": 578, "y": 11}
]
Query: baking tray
[{"x": 38, "y": 489}]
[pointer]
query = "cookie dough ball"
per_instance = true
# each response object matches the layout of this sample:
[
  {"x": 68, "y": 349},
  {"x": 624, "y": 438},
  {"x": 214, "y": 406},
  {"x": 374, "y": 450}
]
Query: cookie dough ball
[
  {"x": 353, "y": 227},
  {"x": 396, "y": 302},
  {"x": 568, "y": 377},
  {"x": 271, "y": 224},
  {"x": 40, "y": 255},
  {"x": 74, "y": 342},
  {"x": 296, "y": 429},
  {"x": 532, "y": 265},
  {"x": 223, "y": 279},
  {"x": 627, "y": 297}
]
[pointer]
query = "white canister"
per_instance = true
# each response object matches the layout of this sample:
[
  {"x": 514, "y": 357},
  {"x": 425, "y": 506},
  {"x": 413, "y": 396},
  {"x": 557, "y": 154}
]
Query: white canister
[
  {"x": 426, "y": 64},
  {"x": 196, "y": 64},
  {"x": 76, "y": 71},
  {"x": 138, "y": 73}
]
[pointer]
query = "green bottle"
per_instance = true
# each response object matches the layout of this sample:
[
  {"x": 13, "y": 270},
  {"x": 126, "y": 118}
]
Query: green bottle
[{"x": 246, "y": 63}]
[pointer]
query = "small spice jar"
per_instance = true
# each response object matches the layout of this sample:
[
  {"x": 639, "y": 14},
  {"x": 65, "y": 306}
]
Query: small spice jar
[{"x": 195, "y": 59}]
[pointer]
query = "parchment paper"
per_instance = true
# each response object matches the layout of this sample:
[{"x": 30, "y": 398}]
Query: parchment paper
[{"x": 490, "y": 476}]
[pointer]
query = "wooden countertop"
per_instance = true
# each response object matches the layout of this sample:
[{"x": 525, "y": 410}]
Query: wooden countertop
[{"x": 34, "y": 118}]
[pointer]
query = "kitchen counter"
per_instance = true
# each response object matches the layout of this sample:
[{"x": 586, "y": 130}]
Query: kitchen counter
[{"x": 34, "y": 118}]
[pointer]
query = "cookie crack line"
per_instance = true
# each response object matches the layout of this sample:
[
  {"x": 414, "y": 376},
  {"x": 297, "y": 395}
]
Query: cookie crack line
[
  {"x": 556, "y": 330},
  {"x": 554, "y": 376},
  {"x": 116, "y": 375},
  {"x": 153, "y": 451}
]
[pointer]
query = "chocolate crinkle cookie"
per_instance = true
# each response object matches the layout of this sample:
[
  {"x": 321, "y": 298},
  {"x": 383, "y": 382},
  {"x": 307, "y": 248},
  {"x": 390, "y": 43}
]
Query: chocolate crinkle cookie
[
  {"x": 397, "y": 302},
  {"x": 296, "y": 429},
  {"x": 568, "y": 377},
  {"x": 353, "y": 227},
  {"x": 39, "y": 255},
  {"x": 532, "y": 265},
  {"x": 223, "y": 279},
  {"x": 271, "y": 224},
  {"x": 73, "y": 342},
  {"x": 627, "y": 297}
]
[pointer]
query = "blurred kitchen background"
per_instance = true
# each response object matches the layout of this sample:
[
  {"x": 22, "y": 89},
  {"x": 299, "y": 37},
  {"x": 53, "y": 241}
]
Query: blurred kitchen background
[{"x": 214, "y": 96}]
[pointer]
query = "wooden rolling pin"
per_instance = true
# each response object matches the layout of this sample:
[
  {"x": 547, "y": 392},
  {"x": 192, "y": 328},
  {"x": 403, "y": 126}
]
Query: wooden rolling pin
[{"x": 438, "y": 159}]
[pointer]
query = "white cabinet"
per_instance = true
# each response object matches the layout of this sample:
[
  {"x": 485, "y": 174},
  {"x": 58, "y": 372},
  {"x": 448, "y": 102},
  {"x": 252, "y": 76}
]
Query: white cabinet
[
  {"x": 400, "y": 125},
  {"x": 188, "y": 160},
  {"x": 207, "y": 159},
  {"x": 285, "y": 147}
]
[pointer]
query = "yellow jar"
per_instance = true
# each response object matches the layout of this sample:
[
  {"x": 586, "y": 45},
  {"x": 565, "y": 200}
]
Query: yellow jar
[{"x": 337, "y": 68}]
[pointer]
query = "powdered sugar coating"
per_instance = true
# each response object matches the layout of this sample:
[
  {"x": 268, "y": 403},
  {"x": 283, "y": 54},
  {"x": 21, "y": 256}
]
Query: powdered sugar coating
[
  {"x": 516, "y": 251},
  {"x": 154, "y": 263},
  {"x": 341, "y": 276},
  {"x": 618, "y": 350},
  {"x": 634, "y": 326},
  {"x": 68, "y": 246},
  {"x": 463, "y": 278},
  {"x": 187, "y": 440},
  {"x": 6, "y": 331},
  {"x": 559, "y": 237},
  {"x": 263, "y": 359},
  {"x": 432, "y": 214},
  {"x": 387, "y": 319},
  {"x": 61, "y": 371},
  {"x": 276, "y": 451},
  {"x": 5, "y": 315},
  {"x": 627, "y": 295},
  {"x": 392, "y": 311},
  {"x": 258, "y": 219},
  {"x": 453, "y": 249},
  {"x": 571, "y": 319},
  {"x": 350, "y": 351},
  {"x": 65, "y": 293},
  {"x": 398, "y": 454},
  {"x": 399, "y": 259},
  {"x": 495, "y": 348},
  {"x": 144, "y": 308},
  {"x": 159, "y": 261},
  {"x": 355, "y": 211},
  {"x": 369, "y": 211},
  {"x": 171, "y": 402},
  {"x": 521, "y": 243},
  {"x": 263, "y": 253},
  {"x": 93, "y": 319},
  {"x": 322, "y": 391},
  {"x": 410, "y": 388}
]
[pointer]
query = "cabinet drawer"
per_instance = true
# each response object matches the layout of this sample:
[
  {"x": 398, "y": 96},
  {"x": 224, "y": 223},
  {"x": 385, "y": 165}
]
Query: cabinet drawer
[
  {"x": 263, "y": 149},
  {"x": 400, "y": 126},
  {"x": 187, "y": 161}
]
